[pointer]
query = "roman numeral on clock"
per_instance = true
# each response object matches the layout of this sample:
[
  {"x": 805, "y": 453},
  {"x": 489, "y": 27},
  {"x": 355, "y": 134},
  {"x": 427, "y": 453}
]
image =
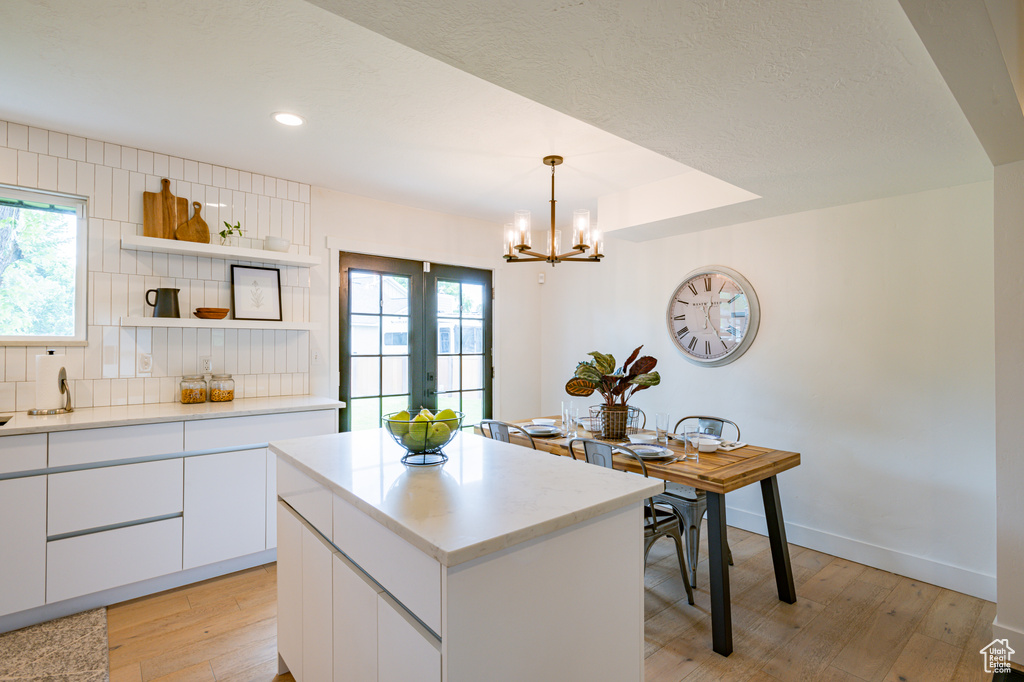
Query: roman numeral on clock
[
  {"x": 693, "y": 343},
  {"x": 734, "y": 298},
  {"x": 707, "y": 284},
  {"x": 707, "y": 348},
  {"x": 693, "y": 288},
  {"x": 679, "y": 317},
  {"x": 683, "y": 332},
  {"x": 732, "y": 330}
]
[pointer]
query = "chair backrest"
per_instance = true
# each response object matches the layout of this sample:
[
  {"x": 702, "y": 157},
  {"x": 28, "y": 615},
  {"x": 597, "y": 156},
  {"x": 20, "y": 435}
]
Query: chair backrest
[
  {"x": 497, "y": 430},
  {"x": 600, "y": 453},
  {"x": 709, "y": 425}
]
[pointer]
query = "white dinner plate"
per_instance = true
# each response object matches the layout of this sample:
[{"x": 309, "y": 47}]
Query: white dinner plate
[
  {"x": 651, "y": 451},
  {"x": 542, "y": 431}
]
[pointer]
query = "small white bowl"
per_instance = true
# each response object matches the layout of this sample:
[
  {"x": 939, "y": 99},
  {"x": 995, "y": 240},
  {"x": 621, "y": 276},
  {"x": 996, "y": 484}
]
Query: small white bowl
[
  {"x": 276, "y": 243},
  {"x": 638, "y": 438},
  {"x": 544, "y": 422},
  {"x": 707, "y": 444}
]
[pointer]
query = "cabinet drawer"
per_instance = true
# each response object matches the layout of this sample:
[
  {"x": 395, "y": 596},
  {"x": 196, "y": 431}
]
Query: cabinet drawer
[
  {"x": 68, "y": 448},
  {"x": 257, "y": 430},
  {"x": 93, "y": 498},
  {"x": 310, "y": 499},
  {"x": 414, "y": 578},
  {"x": 22, "y": 543},
  {"x": 22, "y": 453},
  {"x": 91, "y": 563}
]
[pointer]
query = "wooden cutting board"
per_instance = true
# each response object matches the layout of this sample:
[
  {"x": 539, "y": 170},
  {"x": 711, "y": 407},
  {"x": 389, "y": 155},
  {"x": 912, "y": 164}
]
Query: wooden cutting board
[
  {"x": 196, "y": 229},
  {"x": 162, "y": 212}
]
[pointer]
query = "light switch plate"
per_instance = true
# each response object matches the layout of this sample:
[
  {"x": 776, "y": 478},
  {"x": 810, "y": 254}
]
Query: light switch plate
[{"x": 145, "y": 362}]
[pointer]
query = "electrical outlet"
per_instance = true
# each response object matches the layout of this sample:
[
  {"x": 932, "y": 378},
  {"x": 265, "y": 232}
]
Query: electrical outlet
[
  {"x": 206, "y": 364},
  {"x": 315, "y": 357},
  {"x": 145, "y": 362}
]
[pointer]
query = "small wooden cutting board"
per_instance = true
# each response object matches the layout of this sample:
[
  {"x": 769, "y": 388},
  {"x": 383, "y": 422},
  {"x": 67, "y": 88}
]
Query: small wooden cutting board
[
  {"x": 162, "y": 212},
  {"x": 196, "y": 229}
]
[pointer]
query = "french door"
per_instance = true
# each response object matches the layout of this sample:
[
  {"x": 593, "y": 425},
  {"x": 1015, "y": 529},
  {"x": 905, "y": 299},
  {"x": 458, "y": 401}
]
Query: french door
[{"x": 413, "y": 338}]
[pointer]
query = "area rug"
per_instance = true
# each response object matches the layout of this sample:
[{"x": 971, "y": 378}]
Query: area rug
[{"x": 70, "y": 649}]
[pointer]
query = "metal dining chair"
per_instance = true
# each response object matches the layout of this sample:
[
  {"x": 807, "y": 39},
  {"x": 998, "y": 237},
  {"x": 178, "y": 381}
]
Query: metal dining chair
[
  {"x": 497, "y": 430},
  {"x": 691, "y": 504},
  {"x": 658, "y": 521}
]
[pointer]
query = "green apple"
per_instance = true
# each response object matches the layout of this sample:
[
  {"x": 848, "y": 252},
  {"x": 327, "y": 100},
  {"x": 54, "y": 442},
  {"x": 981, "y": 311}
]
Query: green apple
[
  {"x": 399, "y": 423},
  {"x": 438, "y": 435}
]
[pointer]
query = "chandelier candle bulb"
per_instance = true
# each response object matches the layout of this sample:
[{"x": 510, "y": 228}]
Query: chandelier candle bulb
[
  {"x": 522, "y": 226},
  {"x": 510, "y": 242},
  {"x": 581, "y": 229},
  {"x": 598, "y": 240}
]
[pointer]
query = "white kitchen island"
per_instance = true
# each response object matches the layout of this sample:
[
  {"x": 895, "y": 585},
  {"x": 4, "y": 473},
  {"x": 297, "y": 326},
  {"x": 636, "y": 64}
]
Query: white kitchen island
[{"x": 503, "y": 564}]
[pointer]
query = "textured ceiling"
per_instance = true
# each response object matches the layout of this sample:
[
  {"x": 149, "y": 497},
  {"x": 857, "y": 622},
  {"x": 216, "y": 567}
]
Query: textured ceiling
[
  {"x": 807, "y": 103},
  {"x": 449, "y": 105}
]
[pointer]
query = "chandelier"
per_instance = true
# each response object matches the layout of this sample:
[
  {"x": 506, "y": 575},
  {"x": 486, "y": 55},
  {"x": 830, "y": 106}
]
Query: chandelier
[{"x": 519, "y": 242}]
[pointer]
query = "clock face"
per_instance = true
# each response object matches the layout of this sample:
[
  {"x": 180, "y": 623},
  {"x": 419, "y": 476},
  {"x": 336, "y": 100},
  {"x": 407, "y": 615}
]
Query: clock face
[{"x": 713, "y": 316}]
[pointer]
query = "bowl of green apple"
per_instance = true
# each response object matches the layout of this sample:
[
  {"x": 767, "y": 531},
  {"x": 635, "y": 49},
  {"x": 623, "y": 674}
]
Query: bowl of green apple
[{"x": 423, "y": 435}]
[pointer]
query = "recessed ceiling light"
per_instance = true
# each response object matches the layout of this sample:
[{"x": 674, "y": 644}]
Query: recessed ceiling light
[{"x": 287, "y": 119}]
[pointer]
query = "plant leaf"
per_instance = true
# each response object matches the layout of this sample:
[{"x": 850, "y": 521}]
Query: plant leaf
[
  {"x": 580, "y": 387},
  {"x": 605, "y": 363},
  {"x": 620, "y": 388},
  {"x": 645, "y": 380},
  {"x": 632, "y": 357},
  {"x": 588, "y": 372},
  {"x": 643, "y": 365}
]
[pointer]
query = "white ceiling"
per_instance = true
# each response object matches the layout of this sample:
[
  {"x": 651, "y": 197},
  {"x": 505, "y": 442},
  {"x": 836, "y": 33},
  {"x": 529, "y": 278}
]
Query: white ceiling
[{"x": 805, "y": 104}]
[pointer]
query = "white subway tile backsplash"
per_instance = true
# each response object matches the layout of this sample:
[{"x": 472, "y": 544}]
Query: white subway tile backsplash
[
  {"x": 113, "y": 177},
  {"x": 26, "y": 396}
]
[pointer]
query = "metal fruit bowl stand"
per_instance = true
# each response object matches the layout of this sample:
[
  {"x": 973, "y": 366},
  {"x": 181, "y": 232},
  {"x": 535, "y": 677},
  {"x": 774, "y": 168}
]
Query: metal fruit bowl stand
[{"x": 422, "y": 443}]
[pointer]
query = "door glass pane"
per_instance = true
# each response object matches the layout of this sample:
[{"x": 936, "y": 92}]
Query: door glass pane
[
  {"x": 472, "y": 371},
  {"x": 395, "y": 404},
  {"x": 447, "y": 373},
  {"x": 448, "y": 336},
  {"x": 364, "y": 290},
  {"x": 473, "y": 406},
  {"x": 365, "y": 335},
  {"x": 396, "y": 335},
  {"x": 448, "y": 299},
  {"x": 472, "y": 336},
  {"x": 473, "y": 300},
  {"x": 395, "y": 295},
  {"x": 365, "y": 413},
  {"x": 365, "y": 379},
  {"x": 395, "y": 376},
  {"x": 449, "y": 401}
]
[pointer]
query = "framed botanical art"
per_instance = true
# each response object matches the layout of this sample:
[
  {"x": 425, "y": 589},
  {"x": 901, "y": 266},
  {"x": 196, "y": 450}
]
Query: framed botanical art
[{"x": 255, "y": 293}]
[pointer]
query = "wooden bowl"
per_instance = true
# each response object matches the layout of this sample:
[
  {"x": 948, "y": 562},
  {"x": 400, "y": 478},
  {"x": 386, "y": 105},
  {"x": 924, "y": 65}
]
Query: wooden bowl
[{"x": 216, "y": 314}]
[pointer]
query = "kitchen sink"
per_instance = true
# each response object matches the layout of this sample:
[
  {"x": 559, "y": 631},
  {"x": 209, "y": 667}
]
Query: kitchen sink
[{"x": 4, "y": 418}]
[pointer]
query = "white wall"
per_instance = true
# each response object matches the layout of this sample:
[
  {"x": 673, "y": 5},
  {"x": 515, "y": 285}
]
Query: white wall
[
  {"x": 351, "y": 223},
  {"x": 113, "y": 178},
  {"x": 1009, "y": 408},
  {"x": 874, "y": 360}
]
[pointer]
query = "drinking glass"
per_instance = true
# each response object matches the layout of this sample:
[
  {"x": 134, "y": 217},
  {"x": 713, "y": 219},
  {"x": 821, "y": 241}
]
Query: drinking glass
[
  {"x": 689, "y": 436},
  {"x": 661, "y": 427},
  {"x": 570, "y": 415}
]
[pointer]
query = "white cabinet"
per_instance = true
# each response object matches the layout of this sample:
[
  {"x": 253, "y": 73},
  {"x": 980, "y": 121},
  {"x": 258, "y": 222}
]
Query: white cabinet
[
  {"x": 22, "y": 543},
  {"x": 98, "y": 561},
  {"x": 233, "y": 432},
  {"x": 405, "y": 651},
  {"x": 86, "y": 446},
  {"x": 317, "y": 659},
  {"x": 355, "y": 623},
  {"x": 106, "y": 496},
  {"x": 271, "y": 539},
  {"x": 289, "y": 590},
  {"x": 225, "y": 506},
  {"x": 22, "y": 453}
]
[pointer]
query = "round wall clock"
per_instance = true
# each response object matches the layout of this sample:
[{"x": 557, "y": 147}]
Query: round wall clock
[{"x": 713, "y": 316}]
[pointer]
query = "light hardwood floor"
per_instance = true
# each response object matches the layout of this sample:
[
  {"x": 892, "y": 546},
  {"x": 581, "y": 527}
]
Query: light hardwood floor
[{"x": 850, "y": 623}]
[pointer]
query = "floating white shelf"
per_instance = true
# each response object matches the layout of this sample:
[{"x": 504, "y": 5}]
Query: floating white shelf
[
  {"x": 156, "y": 245},
  {"x": 195, "y": 322}
]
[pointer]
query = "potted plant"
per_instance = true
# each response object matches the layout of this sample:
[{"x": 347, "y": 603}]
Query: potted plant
[
  {"x": 227, "y": 235},
  {"x": 616, "y": 386}
]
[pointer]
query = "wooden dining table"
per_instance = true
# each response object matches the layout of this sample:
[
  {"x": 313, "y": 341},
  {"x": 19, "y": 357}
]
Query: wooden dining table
[{"x": 716, "y": 473}]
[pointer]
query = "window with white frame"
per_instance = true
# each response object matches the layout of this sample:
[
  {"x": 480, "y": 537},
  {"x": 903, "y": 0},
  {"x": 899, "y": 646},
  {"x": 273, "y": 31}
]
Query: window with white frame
[{"x": 42, "y": 267}]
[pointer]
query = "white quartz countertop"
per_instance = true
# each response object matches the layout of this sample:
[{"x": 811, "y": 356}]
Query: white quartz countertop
[
  {"x": 122, "y": 415},
  {"x": 488, "y": 495}
]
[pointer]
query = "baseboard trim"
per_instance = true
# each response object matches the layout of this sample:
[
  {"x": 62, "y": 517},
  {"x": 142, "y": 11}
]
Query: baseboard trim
[
  {"x": 40, "y": 614},
  {"x": 919, "y": 568},
  {"x": 1014, "y": 636}
]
